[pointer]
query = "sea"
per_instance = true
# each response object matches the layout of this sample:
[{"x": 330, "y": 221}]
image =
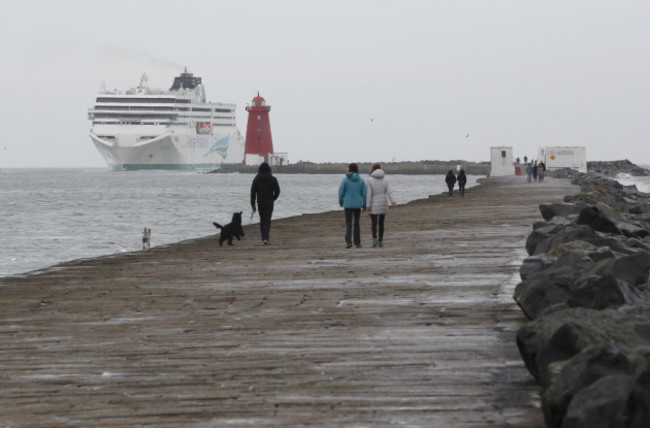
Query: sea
[{"x": 49, "y": 216}]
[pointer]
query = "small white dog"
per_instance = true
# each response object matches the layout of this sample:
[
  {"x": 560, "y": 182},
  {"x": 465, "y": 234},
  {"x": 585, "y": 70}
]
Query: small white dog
[{"x": 146, "y": 239}]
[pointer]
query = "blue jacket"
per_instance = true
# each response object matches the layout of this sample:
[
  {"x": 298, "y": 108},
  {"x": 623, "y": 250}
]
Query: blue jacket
[{"x": 352, "y": 192}]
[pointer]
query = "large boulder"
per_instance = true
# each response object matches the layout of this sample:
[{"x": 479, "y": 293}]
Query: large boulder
[
  {"x": 594, "y": 279},
  {"x": 556, "y": 209},
  {"x": 592, "y": 387},
  {"x": 545, "y": 240},
  {"x": 638, "y": 403},
  {"x": 595, "y": 218},
  {"x": 560, "y": 335},
  {"x": 599, "y": 405},
  {"x": 534, "y": 264},
  {"x": 593, "y": 373}
]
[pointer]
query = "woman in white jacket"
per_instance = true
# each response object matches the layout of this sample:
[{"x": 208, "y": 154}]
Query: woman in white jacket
[{"x": 378, "y": 197}]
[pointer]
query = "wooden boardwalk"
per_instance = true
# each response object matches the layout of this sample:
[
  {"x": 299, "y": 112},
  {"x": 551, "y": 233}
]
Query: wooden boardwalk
[{"x": 304, "y": 332}]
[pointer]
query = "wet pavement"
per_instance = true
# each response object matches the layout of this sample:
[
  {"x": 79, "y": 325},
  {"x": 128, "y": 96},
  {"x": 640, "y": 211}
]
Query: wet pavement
[{"x": 303, "y": 332}]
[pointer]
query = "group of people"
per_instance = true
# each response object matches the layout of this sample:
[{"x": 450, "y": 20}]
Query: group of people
[
  {"x": 535, "y": 172},
  {"x": 451, "y": 181},
  {"x": 355, "y": 194},
  {"x": 372, "y": 195}
]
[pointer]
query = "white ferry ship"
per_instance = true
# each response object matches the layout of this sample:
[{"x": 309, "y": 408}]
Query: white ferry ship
[{"x": 145, "y": 128}]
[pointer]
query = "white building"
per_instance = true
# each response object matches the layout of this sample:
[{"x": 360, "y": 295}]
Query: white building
[
  {"x": 555, "y": 157},
  {"x": 253, "y": 159},
  {"x": 278, "y": 158},
  {"x": 275, "y": 159},
  {"x": 501, "y": 161}
]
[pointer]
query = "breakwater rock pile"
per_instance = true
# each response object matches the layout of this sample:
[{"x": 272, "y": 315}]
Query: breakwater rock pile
[
  {"x": 613, "y": 168},
  {"x": 422, "y": 167},
  {"x": 585, "y": 287}
]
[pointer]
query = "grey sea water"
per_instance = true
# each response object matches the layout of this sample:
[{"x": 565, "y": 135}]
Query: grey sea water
[{"x": 48, "y": 216}]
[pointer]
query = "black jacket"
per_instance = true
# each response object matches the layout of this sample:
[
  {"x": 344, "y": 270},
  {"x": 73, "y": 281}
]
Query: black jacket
[
  {"x": 462, "y": 178},
  {"x": 450, "y": 179},
  {"x": 265, "y": 188}
]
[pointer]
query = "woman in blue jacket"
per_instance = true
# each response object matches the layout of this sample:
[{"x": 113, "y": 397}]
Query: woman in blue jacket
[{"x": 352, "y": 197}]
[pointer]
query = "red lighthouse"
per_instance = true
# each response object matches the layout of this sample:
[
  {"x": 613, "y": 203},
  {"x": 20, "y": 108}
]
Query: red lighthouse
[{"x": 258, "y": 131}]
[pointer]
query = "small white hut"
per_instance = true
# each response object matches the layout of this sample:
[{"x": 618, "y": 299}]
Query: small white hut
[
  {"x": 555, "y": 157},
  {"x": 501, "y": 161}
]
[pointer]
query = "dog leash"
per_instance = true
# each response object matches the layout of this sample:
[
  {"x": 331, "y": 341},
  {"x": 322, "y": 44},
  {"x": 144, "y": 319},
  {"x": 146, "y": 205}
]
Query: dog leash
[{"x": 252, "y": 214}]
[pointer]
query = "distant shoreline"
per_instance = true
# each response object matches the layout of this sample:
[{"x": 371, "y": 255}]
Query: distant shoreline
[
  {"x": 433, "y": 167},
  {"x": 413, "y": 168}
]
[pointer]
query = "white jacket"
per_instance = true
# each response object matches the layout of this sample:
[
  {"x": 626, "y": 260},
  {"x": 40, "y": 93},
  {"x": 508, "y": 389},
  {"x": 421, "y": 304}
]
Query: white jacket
[{"x": 379, "y": 193}]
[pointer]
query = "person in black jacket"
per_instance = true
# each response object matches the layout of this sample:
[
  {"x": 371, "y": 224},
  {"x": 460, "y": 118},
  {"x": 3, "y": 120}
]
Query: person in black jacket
[
  {"x": 265, "y": 189},
  {"x": 462, "y": 181},
  {"x": 450, "y": 179}
]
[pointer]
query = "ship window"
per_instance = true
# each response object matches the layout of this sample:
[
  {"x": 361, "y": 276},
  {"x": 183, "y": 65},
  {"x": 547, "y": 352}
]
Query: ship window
[
  {"x": 131, "y": 108},
  {"x": 503, "y": 153},
  {"x": 132, "y": 100},
  {"x": 259, "y": 127},
  {"x": 143, "y": 115}
]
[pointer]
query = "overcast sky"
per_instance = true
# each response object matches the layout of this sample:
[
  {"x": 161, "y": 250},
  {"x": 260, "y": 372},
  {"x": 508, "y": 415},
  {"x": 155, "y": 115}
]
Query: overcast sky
[{"x": 347, "y": 80}]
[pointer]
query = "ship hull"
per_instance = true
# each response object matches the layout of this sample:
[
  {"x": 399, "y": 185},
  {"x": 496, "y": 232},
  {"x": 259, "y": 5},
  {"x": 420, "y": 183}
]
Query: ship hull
[{"x": 171, "y": 151}]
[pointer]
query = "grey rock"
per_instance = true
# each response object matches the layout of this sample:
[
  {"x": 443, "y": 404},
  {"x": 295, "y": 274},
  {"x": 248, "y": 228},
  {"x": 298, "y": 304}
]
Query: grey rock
[
  {"x": 562, "y": 334},
  {"x": 552, "y": 210},
  {"x": 593, "y": 216},
  {"x": 578, "y": 280},
  {"x": 638, "y": 404},
  {"x": 534, "y": 264},
  {"x": 541, "y": 241},
  {"x": 599, "y": 405}
]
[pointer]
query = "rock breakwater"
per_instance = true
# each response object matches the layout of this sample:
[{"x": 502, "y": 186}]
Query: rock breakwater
[
  {"x": 613, "y": 168},
  {"x": 585, "y": 287}
]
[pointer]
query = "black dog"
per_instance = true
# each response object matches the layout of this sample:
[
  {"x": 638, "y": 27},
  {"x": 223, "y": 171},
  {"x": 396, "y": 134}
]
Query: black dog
[{"x": 232, "y": 229}]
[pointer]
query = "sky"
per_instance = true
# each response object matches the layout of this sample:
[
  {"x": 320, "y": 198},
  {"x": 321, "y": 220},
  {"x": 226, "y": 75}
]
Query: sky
[{"x": 348, "y": 81}]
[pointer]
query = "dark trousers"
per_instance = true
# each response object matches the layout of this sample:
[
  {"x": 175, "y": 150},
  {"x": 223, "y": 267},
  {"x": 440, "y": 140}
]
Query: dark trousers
[
  {"x": 265, "y": 211},
  {"x": 461, "y": 190},
  {"x": 350, "y": 215},
  {"x": 377, "y": 220},
  {"x": 451, "y": 189}
]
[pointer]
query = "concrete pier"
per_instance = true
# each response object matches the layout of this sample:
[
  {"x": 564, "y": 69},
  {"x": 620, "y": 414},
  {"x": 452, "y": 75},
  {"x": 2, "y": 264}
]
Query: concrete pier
[{"x": 303, "y": 332}]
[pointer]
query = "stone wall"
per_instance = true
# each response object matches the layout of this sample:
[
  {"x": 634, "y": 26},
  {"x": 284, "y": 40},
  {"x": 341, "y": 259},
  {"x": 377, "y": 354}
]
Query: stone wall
[{"x": 585, "y": 287}]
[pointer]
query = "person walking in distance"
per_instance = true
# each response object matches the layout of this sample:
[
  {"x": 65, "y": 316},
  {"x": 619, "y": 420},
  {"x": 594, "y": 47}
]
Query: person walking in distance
[
  {"x": 265, "y": 190},
  {"x": 378, "y": 196},
  {"x": 462, "y": 181},
  {"x": 450, "y": 179},
  {"x": 352, "y": 197},
  {"x": 541, "y": 170},
  {"x": 529, "y": 172}
]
